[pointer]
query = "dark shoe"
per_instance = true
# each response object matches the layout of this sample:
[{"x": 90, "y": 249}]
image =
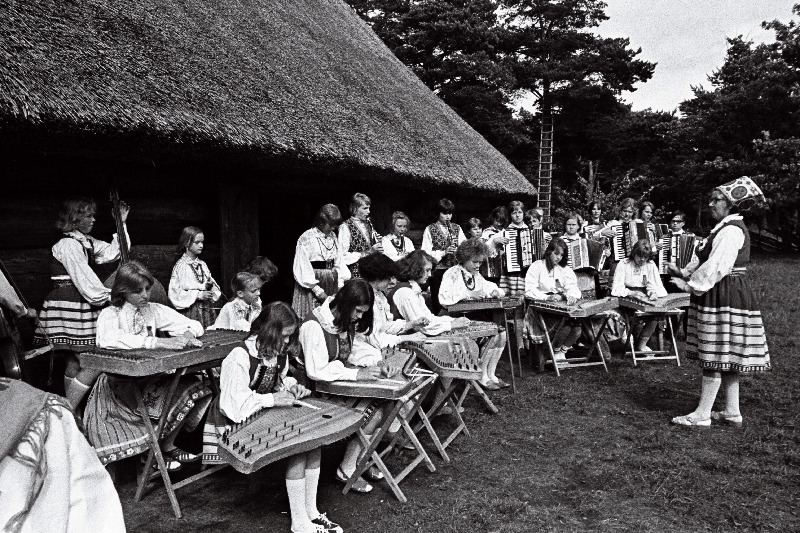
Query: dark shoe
[
  {"x": 330, "y": 527},
  {"x": 172, "y": 465},
  {"x": 374, "y": 473},
  {"x": 181, "y": 456},
  {"x": 490, "y": 386}
]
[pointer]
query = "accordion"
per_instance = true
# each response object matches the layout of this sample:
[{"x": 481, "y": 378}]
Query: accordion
[
  {"x": 585, "y": 254},
  {"x": 677, "y": 249},
  {"x": 626, "y": 235},
  {"x": 524, "y": 246}
]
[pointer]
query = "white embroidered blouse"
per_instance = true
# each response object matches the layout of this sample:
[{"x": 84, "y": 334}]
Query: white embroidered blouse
[
  {"x": 131, "y": 328},
  {"x": 411, "y": 306},
  {"x": 315, "y": 350},
  {"x": 724, "y": 250},
  {"x": 237, "y": 315},
  {"x": 539, "y": 282},
  {"x": 189, "y": 277},
  {"x": 455, "y": 286},
  {"x": 313, "y": 245}
]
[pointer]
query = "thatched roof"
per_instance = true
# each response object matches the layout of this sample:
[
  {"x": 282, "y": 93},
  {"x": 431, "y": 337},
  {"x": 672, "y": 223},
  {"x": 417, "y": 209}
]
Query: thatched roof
[{"x": 269, "y": 80}]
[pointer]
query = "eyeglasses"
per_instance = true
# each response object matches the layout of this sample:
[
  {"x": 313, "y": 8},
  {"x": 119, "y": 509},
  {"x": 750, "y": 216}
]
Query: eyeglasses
[{"x": 715, "y": 200}]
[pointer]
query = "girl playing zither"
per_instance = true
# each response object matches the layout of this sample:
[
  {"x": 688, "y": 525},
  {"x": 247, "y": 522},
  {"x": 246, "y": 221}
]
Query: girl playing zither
[
  {"x": 319, "y": 269},
  {"x": 254, "y": 377},
  {"x": 464, "y": 282},
  {"x": 69, "y": 314},
  {"x": 357, "y": 236},
  {"x": 550, "y": 280},
  {"x": 439, "y": 241},
  {"x": 112, "y": 420},
  {"x": 326, "y": 337}
]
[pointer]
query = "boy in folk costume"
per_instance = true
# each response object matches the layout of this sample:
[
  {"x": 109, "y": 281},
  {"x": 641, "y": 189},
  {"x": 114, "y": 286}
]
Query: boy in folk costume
[
  {"x": 357, "y": 236},
  {"x": 240, "y": 312},
  {"x": 439, "y": 241}
]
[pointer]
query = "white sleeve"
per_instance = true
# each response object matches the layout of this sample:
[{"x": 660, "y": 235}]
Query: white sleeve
[
  {"x": 724, "y": 250},
  {"x": 343, "y": 273},
  {"x": 486, "y": 287},
  {"x": 618, "y": 287},
  {"x": 363, "y": 352},
  {"x": 452, "y": 289},
  {"x": 411, "y": 308},
  {"x": 183, "y": 286},
  {"x": 654, "y": 283},
  {"x": 236, "y": 399},
  {"x": 315, "y": 353},
  {"x": 111, "y": 335},
  {"x": 532, "y": 285},
  {"x": 105, "y": 252},
  {"x": 301, "y": 268},
  {"x": 571, "y": 283},
  {"x": 344, "y": 243},
  {"x": 69, "y": 252},
  {"x": 172, "y": 322},
  {"x": 227, "y": 319},
  {"x": 9, "y": 297},
  {"x": 427, "y": 245},
  {"x": 461, "y": 236},
  {"x": 215, "y": 290}
]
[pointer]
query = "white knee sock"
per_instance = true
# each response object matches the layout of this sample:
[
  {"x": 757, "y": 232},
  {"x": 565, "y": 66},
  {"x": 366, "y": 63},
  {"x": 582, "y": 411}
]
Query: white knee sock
[
  {"x": 296, "y": 488},
  {"x": 75, "y": 392},
  {"x": 312, "y": 480}
]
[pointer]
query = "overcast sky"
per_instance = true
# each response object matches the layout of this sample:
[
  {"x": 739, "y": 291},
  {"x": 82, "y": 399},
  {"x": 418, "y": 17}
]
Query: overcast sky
[{"x": 687, "y": 40}]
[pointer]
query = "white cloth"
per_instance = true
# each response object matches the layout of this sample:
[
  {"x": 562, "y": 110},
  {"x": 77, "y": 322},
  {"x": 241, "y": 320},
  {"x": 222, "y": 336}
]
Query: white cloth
[
  {"x": 313, "y": 245},
  {"x": 345, "y": 238},
  {"x": 315, "y": 350},
  {"x": 490, "y": 236},
  {"x": 539, "y": 282},
  {"x": 454, "y": 288},
  {"x": 236, "y": 399},
  {"x": 628, "y": 275},
  {"x": 427, "y": 241},
  {"x": 237, "y": 315},
  {"x": 385, "y": 332},
  {"x": 77, "y": 494},
  {"x": 71, "y": 253},
  {"x": 120, "y": 328},
  {"x": 184, "y": 287},
  {"x": 411, "y": 306},
  {"x": 9, "y": 297},
  {"x": 391, "y": 252},
  {"x": 727, "y": 243}
]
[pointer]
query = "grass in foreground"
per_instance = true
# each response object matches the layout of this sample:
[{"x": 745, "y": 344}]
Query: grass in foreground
[{"x": 585, "y": 452}]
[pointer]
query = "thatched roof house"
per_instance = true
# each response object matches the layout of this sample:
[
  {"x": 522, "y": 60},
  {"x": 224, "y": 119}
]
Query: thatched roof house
[{"x": 269, "y": 85}]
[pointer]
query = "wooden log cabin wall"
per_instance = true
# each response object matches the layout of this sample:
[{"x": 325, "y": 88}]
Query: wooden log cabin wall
[{"x": 243, "y": 214}]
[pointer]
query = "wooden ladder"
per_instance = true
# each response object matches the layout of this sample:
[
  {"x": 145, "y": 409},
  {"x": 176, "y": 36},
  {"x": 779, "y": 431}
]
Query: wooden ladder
[{"x": 545, "y": 165}]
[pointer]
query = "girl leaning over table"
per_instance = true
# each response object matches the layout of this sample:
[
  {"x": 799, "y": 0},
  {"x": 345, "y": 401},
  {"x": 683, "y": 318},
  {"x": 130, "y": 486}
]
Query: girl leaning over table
[
  {"x": 255, "y": 377},
  {"x": 550, "y": 280},
  {"x": 112, "y": 420}
]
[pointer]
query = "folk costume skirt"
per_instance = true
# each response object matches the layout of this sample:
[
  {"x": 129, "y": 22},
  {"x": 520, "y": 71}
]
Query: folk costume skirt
[
  {"x": 201, "y": 310},
  {"x": 513, "y": 283},
  {"x": 304, "y": 301},
  {"x": 726, "y": 332},
  {"x": 66, "y": 320},
  {"x": 112, "y": 421}
]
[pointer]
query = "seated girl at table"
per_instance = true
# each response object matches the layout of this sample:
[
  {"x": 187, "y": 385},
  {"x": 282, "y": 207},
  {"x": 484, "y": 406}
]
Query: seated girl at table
[
  {"x": 326, "y": 337},
  {"x": 464, "y": 282},
  {"x": 255, "y": 377},
  {"x": 243, "y": 309},
  {"x": 112, "y": 420},
  {"x": 550, "y": 280},
  {"x": 192, "y": 290},
  {"x": 381, "y": 273},
  {"x": 638, "y": 277}
]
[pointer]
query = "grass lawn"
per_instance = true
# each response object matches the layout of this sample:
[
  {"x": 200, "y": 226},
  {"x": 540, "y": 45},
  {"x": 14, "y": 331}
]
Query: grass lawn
[{"x": 588, "y": 451}]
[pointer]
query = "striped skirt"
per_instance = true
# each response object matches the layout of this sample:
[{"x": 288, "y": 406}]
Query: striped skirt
[
  {"x": 304, "y": 301},
  {"x": 112, "y": 421},
  {"x": 513, "y": 283},
  {"x": 201, "y": 310},
  {"x": 726, "y": 332},
  {"x": 66, "y": 320}
]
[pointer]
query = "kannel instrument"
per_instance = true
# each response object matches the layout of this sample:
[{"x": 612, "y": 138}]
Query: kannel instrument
[
  {"x": 582, "y": 309},
  {"x": 278, "y": 432},
  {"x": 481, "y": 304},
  {"x": 659, "y": 305},
  {"x": 217, "y": 344}
]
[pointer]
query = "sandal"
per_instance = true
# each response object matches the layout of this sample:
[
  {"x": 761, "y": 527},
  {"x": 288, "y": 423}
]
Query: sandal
[
  {"x": 182, "y": 456},
  {"x": 172, "y": 465},
  {"x": 691, "y": 421},
  {"x": 374, "y": 473},
  {"x": 721, "y": 416},
  {"x": 360, "y": 484}
]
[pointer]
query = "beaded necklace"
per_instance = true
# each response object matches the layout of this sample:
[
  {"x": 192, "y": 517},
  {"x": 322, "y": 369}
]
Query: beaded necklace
[{"x": 470, "y": 283}]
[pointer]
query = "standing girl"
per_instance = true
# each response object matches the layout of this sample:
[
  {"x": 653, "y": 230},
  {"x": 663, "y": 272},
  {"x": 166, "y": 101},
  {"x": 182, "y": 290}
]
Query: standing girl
[
  {"x": 113, "y": 423},
  {"x": 319, "y": 269},
  {"x": 726, "y": 332},
  {"x": 495, "y": 240},
  {"x": 595, "y": 221},
  {"x": 192, "y": 290},
  {"x": 68, "y": 319},
  {"x": 522, "y": 253},
  {"x": 255, "y": 377},
  {"x": 396, "y": 245},
  {"x": 357, "y": 236},
  {"x": 440, "y": 240}
]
